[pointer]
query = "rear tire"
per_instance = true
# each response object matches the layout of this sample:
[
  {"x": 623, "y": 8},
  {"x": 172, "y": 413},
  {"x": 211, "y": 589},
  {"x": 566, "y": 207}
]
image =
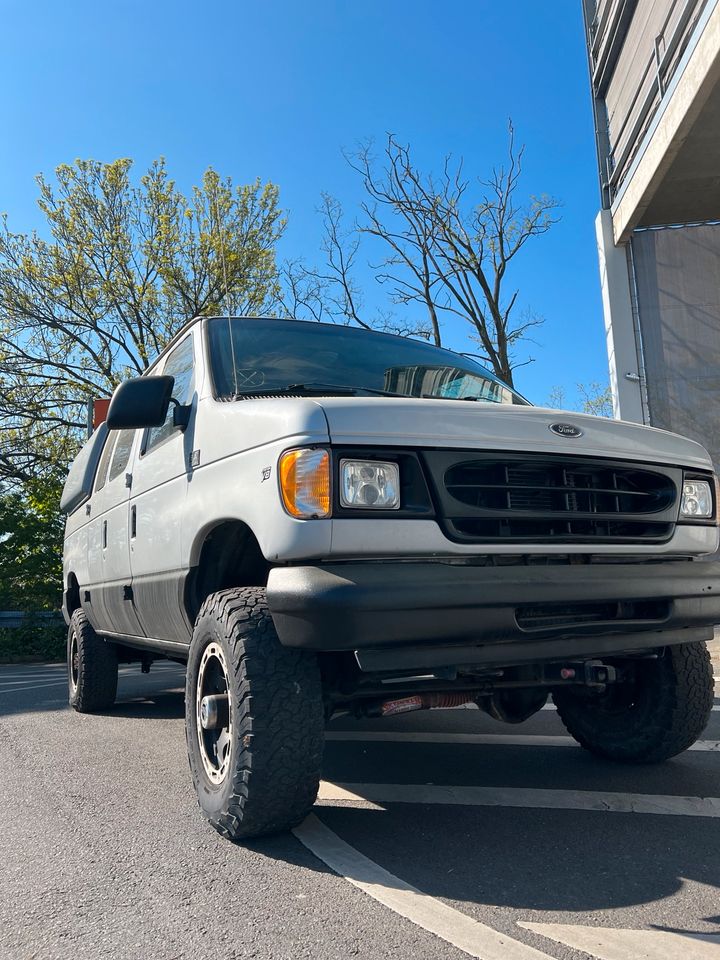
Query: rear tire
[
  {"x": 256, "y": 763},
  {"x": 92, "y": 667},
  {"x": 663, "y": 712}
]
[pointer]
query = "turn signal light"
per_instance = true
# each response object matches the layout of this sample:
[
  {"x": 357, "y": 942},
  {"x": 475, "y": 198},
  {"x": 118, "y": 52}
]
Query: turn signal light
[{"x": 305, "y": 483}]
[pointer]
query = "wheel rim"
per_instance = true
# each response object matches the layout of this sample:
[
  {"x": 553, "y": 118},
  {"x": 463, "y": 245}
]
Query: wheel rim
[
  {"x": 73, "y": 662},
  {"x": 213, "y": 713}
]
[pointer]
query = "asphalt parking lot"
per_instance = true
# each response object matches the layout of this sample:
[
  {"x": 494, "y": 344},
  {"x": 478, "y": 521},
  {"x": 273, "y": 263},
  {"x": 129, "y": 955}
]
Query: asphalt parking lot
[{"x": 506, "y": 841}]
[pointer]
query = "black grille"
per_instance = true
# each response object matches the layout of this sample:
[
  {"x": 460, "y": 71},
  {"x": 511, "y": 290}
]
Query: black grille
[{"x": 536, "y": 499}]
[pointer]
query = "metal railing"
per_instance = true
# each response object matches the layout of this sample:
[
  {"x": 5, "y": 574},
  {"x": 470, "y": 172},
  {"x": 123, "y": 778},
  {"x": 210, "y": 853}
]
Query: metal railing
[
  {"x": 12, "y": 619},
  {"x": 607, "y": 33}
]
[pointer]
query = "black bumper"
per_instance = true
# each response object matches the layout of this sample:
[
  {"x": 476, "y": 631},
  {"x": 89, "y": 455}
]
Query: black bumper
[{"x": 402, "y": 615}]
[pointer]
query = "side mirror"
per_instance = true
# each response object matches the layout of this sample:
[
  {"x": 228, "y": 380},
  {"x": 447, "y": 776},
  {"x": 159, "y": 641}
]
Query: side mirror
[{"x": 142, "y": 402}]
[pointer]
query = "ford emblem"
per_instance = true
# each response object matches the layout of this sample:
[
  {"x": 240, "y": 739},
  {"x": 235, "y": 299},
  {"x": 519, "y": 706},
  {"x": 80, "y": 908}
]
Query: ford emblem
[{"x": 566, "y": 430}]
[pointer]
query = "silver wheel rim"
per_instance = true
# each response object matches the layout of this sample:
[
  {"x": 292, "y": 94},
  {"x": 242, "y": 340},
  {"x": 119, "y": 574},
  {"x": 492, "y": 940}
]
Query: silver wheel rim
[
  {"x": 73, "y": 662},
  {"x": 214, "y": 742}
]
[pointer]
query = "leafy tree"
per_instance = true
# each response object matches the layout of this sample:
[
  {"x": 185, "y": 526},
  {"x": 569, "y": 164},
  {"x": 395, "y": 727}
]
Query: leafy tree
[
  {"x": 123, "y": 266},
  {"x": 595, "y": 399},
  {"x": 447, "y": 243},
  {"x": 31, "y": 533}
]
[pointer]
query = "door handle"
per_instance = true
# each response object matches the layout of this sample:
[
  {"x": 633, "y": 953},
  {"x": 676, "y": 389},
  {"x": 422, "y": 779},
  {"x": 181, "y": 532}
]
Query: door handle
[
  {"x": 104, "y": 534},
  {"x": 133, "y": 522}
]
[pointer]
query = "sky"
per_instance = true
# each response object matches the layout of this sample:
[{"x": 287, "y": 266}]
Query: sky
[{"x": 278, "y": 89}]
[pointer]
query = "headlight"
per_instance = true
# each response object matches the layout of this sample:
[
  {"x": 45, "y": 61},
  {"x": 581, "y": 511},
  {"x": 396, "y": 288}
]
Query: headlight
[
  {"x": 305, "y": 483},
  {"x": 697, "y": 500},
  {"x": 369, "y": 485}
]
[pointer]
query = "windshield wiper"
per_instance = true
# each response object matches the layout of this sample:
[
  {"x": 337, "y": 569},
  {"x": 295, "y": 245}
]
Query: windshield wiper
[
  {"x": 315, "y": 388},
  {"x": 320, "y": 385},
  {"x": 294, "y": 390},
  {"x": 435, "y": 396}
]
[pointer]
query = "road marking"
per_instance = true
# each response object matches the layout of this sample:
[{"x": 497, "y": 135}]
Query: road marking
[
  {"x": 19, "y": 685},
  {"x": 456, "y": 928},
  {"x": 521, "y": 797},
  {"x": 485, "y": 739},
  {"x": 614, "y": 944},
  {"x": 551, "y": 706},
  {"x": 29, "y": 677},
  {"x": 36, "y": 686}
]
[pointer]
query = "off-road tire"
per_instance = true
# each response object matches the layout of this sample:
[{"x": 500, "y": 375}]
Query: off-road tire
[
  {"x": 656, "y": 718},
  {"x": 92, "y": 667},
  {"x": 276, "y": 716}
]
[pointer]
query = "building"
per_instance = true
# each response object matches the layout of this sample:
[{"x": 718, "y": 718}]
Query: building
[{"x": 655, "y": 75}]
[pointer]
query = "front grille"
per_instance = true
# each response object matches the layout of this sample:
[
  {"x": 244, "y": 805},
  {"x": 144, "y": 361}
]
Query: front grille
[{"x": 535, "y": 499}]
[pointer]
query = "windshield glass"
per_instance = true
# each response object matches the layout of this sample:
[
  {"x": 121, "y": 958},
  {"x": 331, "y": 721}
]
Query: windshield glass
[{"x": 276, "y": 354}]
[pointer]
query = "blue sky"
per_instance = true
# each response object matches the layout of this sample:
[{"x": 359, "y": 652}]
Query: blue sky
[{"x": 276, "y": 89}]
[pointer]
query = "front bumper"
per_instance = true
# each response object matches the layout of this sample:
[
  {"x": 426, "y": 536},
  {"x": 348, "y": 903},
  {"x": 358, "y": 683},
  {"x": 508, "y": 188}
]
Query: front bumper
[{"x": 403, "y": 615}]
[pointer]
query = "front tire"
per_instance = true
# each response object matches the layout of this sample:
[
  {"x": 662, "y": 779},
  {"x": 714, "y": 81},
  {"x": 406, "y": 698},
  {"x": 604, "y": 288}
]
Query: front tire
[
  {"x": 254, "y": 719},
  {"x": 92, "y": 667},
  {"x": 660, "y": 713}
]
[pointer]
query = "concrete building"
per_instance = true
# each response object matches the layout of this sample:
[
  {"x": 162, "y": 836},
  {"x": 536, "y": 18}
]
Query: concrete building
[{"x": 655, "y": 75}]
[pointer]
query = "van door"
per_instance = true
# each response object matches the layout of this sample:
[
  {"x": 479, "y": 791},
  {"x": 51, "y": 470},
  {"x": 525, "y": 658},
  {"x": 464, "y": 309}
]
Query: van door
[
  {"x": 109, "y": 541},
  {"x": 159, "y": 489}
]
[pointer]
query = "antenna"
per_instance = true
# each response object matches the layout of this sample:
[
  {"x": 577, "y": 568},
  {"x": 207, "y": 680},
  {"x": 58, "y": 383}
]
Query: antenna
[{"x": 228, "y": 305}]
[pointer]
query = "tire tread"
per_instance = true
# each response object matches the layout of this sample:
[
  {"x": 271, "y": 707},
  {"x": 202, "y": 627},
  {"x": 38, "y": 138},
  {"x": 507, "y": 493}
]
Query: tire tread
[
  {"x": 683, "y": 691},
  {"x": 97, "y": 668},
  {"x": 280, "y": 717}
]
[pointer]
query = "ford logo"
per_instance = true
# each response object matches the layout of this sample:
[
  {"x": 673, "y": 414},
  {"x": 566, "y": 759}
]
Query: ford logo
[{"x": 566, "y": 430}]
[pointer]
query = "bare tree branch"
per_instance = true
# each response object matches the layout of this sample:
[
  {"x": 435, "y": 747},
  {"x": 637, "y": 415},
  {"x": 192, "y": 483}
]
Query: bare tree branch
[{"x": 446, "y": 243}]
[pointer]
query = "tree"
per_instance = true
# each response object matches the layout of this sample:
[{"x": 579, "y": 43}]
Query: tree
[
  {"x": 123, "y": 267},
  {"x": 595, "y": 399},
  {"x": 31, "y": 534},
  {"x": 446, "y": 243}
]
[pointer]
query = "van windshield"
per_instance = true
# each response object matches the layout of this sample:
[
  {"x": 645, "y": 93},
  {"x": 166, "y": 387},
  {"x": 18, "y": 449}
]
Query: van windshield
[{"x": 259, "y": 357}]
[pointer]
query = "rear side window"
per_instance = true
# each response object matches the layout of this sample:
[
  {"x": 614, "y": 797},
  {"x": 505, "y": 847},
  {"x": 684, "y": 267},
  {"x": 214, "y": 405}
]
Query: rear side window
[
  {"x": 179, "y": 364},
  {"x": 121, "y": 455},
  {"x": 78, "y": 485},
  {"x": 104, "y": 461}
]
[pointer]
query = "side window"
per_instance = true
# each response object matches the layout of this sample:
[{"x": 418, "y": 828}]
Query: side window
[
  {"x": 179, "y": 364},
  {"x": 121, "y": 454},
  {"x": 102, "y": 469}
]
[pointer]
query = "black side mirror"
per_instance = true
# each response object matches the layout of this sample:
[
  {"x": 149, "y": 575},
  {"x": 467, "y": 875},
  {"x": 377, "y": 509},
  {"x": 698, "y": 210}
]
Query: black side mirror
[{"x": 142, "y": 402}]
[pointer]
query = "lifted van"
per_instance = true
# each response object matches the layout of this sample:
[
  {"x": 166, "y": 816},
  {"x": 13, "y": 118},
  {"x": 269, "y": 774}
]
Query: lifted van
[{"x": 322, "y": 519}]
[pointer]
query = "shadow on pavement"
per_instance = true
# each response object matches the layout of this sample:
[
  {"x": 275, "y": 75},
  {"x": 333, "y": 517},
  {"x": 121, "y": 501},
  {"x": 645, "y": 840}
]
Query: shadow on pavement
[
  {"x": 158, "y": 705},
  {"x": 546, "y": 860},
  {"x": 140, "y": 697}
]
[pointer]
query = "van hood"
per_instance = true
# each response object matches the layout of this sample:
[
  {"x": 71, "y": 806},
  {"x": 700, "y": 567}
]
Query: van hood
[{"x": 408, "y": 422}]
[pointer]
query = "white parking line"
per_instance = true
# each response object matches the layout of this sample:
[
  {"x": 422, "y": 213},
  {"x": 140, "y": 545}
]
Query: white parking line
[
  {"x": 21, "y": 688},
  {"x": 521, "y": 797},
  {"x": 58, "y": 678},
  {"x": 551, "y": 706},
  {"x": 31, "y": 677},
  {"x": 616, "y": 944},
  {"x": 486, "y": 739},
  {"x": 456, "y": 928}
]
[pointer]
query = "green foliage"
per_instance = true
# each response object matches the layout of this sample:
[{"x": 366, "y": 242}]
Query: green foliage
[
  {"x": 122, "y": 266},
  {"x": 595, "y": 399},
  {"x": 31, "y": 533},
  {"x": 36, "y": 640}
]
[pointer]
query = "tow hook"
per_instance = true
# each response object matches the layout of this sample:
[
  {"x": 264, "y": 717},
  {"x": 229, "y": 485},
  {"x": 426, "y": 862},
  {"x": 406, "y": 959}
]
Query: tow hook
[{"x": 593, "y": 673}]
